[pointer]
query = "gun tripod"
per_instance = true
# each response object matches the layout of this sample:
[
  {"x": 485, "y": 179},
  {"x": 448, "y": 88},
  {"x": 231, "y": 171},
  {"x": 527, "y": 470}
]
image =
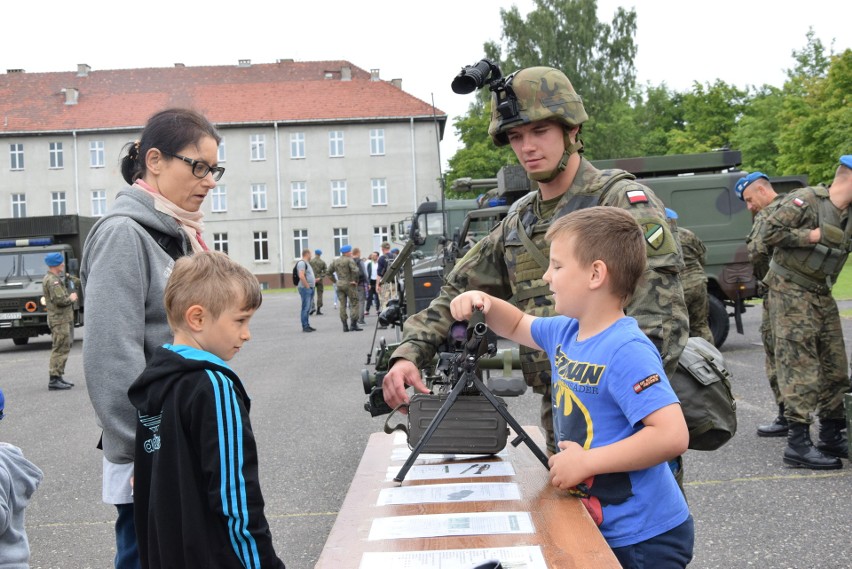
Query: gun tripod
[{"x": 476, "y": 332}]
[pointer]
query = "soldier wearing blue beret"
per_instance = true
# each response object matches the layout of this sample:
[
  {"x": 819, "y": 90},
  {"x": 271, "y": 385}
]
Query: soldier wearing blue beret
[{"x": 60, "y": 318}]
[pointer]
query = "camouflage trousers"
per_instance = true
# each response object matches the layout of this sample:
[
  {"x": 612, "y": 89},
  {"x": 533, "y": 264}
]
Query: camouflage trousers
[
  {"x": 387, "y": 291},
  {"x": 346, "y": 294},
  {"x": 61, "y": 334},
  {"x": 810, "y": 354},
  {"x": 318, "y": 294},
  {"x": 769, "y": 347},
  {"x": 697, "y": 306}
]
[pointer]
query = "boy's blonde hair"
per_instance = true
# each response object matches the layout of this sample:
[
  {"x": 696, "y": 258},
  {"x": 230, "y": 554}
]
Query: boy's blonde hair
[
  {"x": 212, "y": 280},
  {"x": 608, "y": 234}
]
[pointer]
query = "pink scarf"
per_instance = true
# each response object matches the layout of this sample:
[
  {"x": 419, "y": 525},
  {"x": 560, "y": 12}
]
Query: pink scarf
[{"x": 189, "y": 221}]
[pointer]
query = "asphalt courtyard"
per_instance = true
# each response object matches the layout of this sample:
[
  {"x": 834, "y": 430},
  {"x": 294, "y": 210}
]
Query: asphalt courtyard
[{"x": 307, "y": 412}]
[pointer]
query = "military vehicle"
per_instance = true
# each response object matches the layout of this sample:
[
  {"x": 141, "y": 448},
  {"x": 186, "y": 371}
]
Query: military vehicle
[
  {"x": 699, "y": 187},
  {"x": 23, "y": 244}
]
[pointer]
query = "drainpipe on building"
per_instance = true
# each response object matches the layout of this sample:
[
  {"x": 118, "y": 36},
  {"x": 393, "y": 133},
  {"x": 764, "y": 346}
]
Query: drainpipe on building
[
  {"x": 413, "y": 164},
  {"x": 76, "y": 173},
  {"x": 280, "y": 221}
]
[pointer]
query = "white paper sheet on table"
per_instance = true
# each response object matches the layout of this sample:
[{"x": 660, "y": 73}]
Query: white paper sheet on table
[
  {"x": 524, "y": 557},
  {"x": 454, "y": 470},
  {"x": 447, "y": 493},
  {"x": 435, "y": 525}
]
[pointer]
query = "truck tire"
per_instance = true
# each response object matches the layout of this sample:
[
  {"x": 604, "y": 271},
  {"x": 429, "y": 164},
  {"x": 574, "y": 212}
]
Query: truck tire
[
  {"x": 21, "y": 341},
  {"x": 717, "y": 316}
]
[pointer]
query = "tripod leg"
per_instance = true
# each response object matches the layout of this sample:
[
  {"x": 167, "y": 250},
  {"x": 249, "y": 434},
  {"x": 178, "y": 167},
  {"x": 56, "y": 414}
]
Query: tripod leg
[{"x": 430, "y": 430}]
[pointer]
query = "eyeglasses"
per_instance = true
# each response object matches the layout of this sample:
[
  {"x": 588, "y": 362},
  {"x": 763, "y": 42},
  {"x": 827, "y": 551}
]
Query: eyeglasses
[{"x": 199, "y": 168}]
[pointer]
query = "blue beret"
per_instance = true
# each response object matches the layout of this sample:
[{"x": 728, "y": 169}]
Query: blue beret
[
  {"x": 54, "y": 259},
  {"x": 846, "y": 160},
  {"x": 394, "y": 250},
  {"x": 746, "y": 181},
  {"x": 318, "y": 252},
  {"x": 346, "y": 248},
  {"x": 671, "y": 214}
]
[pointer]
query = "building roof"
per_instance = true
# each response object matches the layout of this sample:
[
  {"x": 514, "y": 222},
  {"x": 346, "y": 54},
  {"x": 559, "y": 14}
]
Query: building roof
[{"x": 287, "y": 91}]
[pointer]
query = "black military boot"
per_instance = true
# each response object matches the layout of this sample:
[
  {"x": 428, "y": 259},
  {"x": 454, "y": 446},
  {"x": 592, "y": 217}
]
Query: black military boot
[
  {"x": 353, "y": 325},
  {"x": 63, "y": 380},
  {"x": 832, "y": 441},
  {"x": 777, "y": 428},
  {"x": 57, "y": 383},
  {"x": 800, "y": 451},
  {"x": 345, "y": 326},
  {"x": 319, "y": 311}
]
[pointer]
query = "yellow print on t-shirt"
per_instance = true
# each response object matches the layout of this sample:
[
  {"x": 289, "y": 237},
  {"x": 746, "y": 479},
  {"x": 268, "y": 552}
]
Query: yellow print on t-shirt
[{"x": 575, "y": 377}]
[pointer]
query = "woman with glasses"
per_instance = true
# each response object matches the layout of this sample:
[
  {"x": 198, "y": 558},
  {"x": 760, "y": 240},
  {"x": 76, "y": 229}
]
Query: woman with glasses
[{"x": 127, "y": 259}]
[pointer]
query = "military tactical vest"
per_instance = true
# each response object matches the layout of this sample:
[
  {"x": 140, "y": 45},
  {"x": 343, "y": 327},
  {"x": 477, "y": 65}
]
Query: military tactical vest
[
  {"x": 815, "y": 267},
  {"x": 527, "y": 258}
]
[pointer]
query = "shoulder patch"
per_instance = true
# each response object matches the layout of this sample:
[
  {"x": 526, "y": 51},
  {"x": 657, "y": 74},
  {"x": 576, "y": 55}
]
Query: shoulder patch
[
  {"x": 646, "y": 383},
  {"x": 637, "y": 196},
  {"x": 655, "y": 235}
]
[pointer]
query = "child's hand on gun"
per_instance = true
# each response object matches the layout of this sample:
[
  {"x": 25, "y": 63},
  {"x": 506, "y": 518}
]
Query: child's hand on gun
[
  {"x": 567, "y": 467},
  {"x": 463, "y": 305}
]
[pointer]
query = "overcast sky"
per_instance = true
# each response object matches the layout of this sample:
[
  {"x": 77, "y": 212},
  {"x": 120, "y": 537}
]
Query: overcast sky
[{"x": 743, "y": 42}]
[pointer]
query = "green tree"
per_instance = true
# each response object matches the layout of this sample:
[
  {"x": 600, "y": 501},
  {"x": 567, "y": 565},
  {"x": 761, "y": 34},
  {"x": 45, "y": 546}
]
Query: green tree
[
  {"x": 710, "y": 113},
  {"x": 597, "y": 58},
  {"x": 657, "y": 111},
  {"x": 756, "y": 134}
]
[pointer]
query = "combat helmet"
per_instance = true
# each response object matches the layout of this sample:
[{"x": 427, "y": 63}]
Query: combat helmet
[{"x": 534, "y": 94}]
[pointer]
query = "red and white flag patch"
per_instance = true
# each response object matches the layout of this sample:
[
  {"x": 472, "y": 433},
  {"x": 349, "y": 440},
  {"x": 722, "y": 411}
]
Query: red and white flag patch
[{"x": 637, "y": 196}]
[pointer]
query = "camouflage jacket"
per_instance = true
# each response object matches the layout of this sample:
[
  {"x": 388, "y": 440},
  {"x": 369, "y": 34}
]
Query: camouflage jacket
[
  {"x": 693, "y": 274},
  {"x": 346, "y": 270},
  {"x": 759, "y": 253},
  {"x": 319, "y": 267},
  {"x": 60, "y": 308},
  {"x": 796, "y": 262},
  {"x": 500, "y": 265}
]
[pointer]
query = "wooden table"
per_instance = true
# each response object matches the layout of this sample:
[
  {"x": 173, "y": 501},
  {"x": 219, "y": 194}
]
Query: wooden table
[{"x": 563, "y": 528}]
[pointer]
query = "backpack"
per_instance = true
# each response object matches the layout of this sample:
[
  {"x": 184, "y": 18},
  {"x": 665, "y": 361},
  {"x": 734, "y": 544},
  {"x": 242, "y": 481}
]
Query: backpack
[
  {"x": 702, "y": 383},
  {"x": 296, "y": 271}
]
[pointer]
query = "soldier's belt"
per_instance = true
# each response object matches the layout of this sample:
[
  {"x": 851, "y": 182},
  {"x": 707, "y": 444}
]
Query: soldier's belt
[{"x": 804, "y": 281}]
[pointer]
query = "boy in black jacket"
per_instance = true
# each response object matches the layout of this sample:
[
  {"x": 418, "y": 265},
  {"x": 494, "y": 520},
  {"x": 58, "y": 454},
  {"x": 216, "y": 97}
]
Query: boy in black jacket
[{"x": 196, "y": 489}]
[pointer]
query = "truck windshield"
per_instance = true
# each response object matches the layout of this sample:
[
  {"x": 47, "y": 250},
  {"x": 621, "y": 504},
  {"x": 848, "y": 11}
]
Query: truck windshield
[
  {"x": 32, "y": 265},
  {"x": 8, "y": 265},
  {"x": 430, "y": 224}
]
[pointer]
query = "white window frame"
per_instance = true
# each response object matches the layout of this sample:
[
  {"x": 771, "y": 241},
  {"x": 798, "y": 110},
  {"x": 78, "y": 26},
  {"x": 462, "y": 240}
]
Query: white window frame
[
  {"x": 219, "y": 199},
  {"x": 58, "y": 203},
  {"x": 335, "y": 144},
  {"x": 260, "y": 240},
  {"x": 297, "y": 145},
  {"x": 338, "y": 193},
  {"x": 258, "y": 197},
  {"x": 19, "y": 205},
  {"x": 220, "y": 242},
  {"x": 221, "y": 153},
  {"x": 377, "y": 142},
  {"x": 300, "y": 242},
  {"x": 16, "y": 156},
  {"x": 257, "y": 144},
  {"x": 57, "y": 161},
  {"x": 298, "y": 195},
  {"x": 341, "y": 238},
  {"x": 381, "y": 233},
  {"x": 98, "y": 203},
  {"x": 379, "y": 191},
  {"x": 96, "y": 154}
]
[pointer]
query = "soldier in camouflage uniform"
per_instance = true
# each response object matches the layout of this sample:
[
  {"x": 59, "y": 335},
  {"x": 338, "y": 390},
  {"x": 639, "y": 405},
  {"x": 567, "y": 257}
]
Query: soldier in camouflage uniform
[
  {"x": 812, "y": 237},
  {"x": 761, "y": 200},
  {"x": 320, "y": 271},
  {"x": 543, "y": 125},
  {"x": 60, "y": 318},
  {"x": 345, "y": 271},
  {"x": 694, "y": 281}
]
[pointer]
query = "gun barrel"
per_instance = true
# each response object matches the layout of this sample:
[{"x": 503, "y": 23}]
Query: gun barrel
[{"x": 505, "y": 359}]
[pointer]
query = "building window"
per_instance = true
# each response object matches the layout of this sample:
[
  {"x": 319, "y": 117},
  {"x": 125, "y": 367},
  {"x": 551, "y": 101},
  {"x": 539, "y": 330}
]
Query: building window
[
  {"x": 19, "y": 205},
  {"x": 55, "y": 151},
  {"x": 220, "y": 155},
  {"x": 258, "y": 197},
  {"x": 261, "y": 246},
  {"x": 57, "y": 203},
  {"x": 335, "y": 143},
  {"x": 220, "y": 242},
  {"x": 300, "y": 242},
  {"x": 16, "y": 156},
  {"x": 377, "y": 142},
  {"x": 341, "y": 238},
  {"x": 297, "y": 145},
  {"x": 258, "y": 146},
  {"x": 96, "y": 154},
  {"x": 99, "y": 204},
  {"x": 338, "y": 193},
  {"x": 219, "y": 199},
  {"x": 381, "y": 233},
  {"x": 379, "y": 191},
  {"x": 299, "y": 195}
]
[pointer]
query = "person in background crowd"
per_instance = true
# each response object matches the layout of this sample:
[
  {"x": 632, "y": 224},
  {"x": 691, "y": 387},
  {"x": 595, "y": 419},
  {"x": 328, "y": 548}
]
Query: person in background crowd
[
  {"x": 305, "y": 287},
  {"x": 320, "y": 272},
  {"x": 363, "y": 284},
  {"x": 386, "y": 289},
  {"x": 127, "y": 259},
  {"x": 346, "y": 274},
  {"x": 372, "y": 272},
  {"x": 60, "y": 318},
  {"x": 694, "y": 280}
]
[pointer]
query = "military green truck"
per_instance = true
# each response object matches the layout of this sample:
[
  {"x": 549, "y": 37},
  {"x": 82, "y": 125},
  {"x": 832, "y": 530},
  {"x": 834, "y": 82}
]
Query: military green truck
[
  {"x": 699, "y": 187},
  {"x": 24, "y": 242}
]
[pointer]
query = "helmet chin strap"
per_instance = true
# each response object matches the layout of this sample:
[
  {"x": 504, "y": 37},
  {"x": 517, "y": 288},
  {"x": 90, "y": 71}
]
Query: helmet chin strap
[{"x": 570, "y": 148}]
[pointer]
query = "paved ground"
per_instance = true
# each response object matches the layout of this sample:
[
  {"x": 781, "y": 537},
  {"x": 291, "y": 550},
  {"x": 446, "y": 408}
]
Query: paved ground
[{"x": 750, "y": 510}]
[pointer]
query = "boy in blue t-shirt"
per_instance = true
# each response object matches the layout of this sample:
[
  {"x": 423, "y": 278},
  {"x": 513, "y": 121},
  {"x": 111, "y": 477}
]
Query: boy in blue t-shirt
[{"x": 617, "y": 420}]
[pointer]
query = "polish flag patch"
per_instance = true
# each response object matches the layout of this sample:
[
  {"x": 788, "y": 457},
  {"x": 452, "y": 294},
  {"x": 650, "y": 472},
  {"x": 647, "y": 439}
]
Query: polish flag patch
[
  {"x": 637, "y": 196},
  {"x": 798, "y": 202}
]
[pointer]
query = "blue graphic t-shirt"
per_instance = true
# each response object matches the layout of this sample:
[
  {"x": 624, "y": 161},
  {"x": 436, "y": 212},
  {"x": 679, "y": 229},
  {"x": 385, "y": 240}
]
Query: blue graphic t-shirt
[{"x": 603, "y": 387}]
